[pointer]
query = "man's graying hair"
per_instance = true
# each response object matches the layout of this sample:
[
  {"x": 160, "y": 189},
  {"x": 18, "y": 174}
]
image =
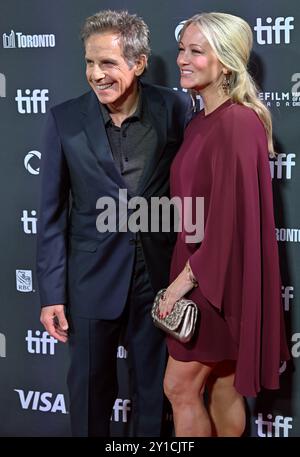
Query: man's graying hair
[{"x": 132, "y": 30}]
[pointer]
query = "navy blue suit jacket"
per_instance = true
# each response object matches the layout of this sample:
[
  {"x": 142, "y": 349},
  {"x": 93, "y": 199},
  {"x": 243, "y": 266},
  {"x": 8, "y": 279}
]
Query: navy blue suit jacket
[{"x": 76, "y": 264}]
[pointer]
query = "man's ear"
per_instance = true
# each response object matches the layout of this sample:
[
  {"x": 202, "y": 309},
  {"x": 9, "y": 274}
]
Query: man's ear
[{"x": 140, "y": 64}]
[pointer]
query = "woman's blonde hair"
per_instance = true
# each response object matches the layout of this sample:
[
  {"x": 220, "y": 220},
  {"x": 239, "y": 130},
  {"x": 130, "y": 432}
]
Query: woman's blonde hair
[{"x": 231, "y": 40}]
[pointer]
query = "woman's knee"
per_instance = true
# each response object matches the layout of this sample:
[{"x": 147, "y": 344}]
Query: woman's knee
[
  {"x": 185, "y": 381},
  {"x": 173, "y": 388},
  {"x": 181, "y": 391}
]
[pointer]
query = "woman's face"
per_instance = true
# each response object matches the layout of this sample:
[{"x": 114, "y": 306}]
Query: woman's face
[{"x": 200, "y": 68}]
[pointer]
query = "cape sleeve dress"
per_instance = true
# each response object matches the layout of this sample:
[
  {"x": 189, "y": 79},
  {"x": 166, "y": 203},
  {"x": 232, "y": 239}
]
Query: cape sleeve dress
[{"x": 224, "y": 159}]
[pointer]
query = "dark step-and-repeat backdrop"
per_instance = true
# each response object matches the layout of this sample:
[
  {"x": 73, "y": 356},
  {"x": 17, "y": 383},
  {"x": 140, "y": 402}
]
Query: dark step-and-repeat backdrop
[{"x": 42, "y": 64}]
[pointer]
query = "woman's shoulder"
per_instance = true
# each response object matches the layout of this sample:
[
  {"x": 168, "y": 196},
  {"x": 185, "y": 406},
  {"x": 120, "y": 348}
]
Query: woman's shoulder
[
  {"x": 241, "y": 122},
  {"x": 243, "y": 132},
  {"x": 241, "y": 115}
]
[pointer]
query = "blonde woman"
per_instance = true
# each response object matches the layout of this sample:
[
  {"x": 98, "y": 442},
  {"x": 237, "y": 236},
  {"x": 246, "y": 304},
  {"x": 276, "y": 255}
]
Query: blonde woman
[{"x": 233, "y": 274}]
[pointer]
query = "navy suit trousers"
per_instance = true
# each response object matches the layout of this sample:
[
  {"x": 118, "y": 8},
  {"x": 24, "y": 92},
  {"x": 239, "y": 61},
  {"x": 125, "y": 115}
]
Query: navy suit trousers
[{"x": 92, "y": 377}]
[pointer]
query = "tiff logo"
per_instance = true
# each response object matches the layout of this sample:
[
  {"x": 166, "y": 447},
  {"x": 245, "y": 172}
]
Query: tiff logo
[
  {"x": 2, "y": 85},
  {"x": 27, "y": 41},
  {"x": 120, "y": 410},
  {"x": 34, "y": 103},
  {"x": 279, "y": 427},
  {"x": 42, "y": 401},
  {"x": 30, "y": 162},
  {"x": 2, "y": 345},
  {"x": 29, "y": 222},
  {"x": 287, "y": 294},
  {"x": 37, "y": 344},
  {"x": 282, "y": 165},
  {"x": 265, "y": 35},
  {"x": 9, "y": 41},
  {"x": 24, "y": 280}
]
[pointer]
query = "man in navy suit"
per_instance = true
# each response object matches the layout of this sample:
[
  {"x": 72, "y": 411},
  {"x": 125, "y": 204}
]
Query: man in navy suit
[{"x": 93, "y": 284}]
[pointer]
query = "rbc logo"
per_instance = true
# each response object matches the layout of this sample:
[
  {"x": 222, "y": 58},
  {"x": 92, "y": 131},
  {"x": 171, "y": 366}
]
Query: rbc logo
[
  {"x": 42, "y": 401},
  {"x": 264, "y": 33},
  {"x": 24, "y": 280},
  {"x": 279, "y": 427},
  {"x": 37, "y": 344},
  {"x": 34, "y": 103}
]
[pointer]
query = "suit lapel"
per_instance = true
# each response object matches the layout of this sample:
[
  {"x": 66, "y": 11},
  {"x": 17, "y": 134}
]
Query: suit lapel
[
  {"x": 97, "y": 138},
  {"x": 158, "y": 116},
  {"x": 95, "y": 130}
]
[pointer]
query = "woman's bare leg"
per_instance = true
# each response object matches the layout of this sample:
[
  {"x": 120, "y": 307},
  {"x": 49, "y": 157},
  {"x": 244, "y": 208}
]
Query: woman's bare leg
[
  {"x": 226, "y": 406},
  {"x": 184, "y": 386}
]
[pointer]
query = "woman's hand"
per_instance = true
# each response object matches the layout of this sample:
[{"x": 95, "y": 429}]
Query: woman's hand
[{"x": 179, "y": 287}]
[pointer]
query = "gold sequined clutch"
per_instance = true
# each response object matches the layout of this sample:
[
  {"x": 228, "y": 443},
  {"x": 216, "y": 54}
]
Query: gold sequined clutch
[{"x": 181, "y": 322}]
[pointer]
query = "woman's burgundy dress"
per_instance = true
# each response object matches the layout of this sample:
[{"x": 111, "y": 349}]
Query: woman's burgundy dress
[{"x": 224, "y": 158}]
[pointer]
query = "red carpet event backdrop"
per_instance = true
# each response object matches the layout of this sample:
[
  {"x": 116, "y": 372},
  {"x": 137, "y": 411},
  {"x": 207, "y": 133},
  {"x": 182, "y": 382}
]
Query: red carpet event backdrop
[{"x": 42, "y": 64}]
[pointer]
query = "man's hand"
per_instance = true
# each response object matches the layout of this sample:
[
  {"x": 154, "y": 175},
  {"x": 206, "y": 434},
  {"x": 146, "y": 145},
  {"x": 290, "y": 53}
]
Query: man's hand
[{"x": 54, "y": 320}]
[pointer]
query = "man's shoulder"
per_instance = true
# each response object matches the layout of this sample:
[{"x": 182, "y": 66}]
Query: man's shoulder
[
  {"x": 166, "y": 93},
  {"x": 72, "y": 104}
]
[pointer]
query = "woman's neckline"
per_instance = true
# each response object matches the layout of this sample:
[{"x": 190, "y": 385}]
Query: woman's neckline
[{"x": 222, "y": 106}]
